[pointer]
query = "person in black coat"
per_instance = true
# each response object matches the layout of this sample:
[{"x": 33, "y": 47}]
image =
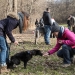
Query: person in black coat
[
  {"x": 68, "y": 22},
  {"x": 6, "y": 27},
  {"x": 47, "y": 25}
]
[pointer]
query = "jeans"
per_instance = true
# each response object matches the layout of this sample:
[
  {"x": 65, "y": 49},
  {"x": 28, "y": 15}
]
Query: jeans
[
  {"x": 47, "y": 29},
  {"x": 7, "y": 52},
  {"x": 66, "y": 53},
  {"x": 3, "y": 50}
]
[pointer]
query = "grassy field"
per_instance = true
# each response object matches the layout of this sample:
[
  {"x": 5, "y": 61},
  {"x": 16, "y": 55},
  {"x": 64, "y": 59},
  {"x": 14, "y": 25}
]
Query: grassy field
[{"x": 38, "y": 65}]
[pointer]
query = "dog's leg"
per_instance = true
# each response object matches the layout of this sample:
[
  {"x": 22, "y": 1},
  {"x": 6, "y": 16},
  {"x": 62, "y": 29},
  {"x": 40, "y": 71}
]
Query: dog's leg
[
  {"x": 25, "y": 64},
  {"x": 10, "y": 65}
]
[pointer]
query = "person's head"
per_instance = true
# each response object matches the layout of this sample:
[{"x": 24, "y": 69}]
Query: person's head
[
  {"x": 24, "y": 21},
  {"x": 48, "y": 9},
  {"x": 55, "y": 29},
  {"x": 70, "y": 16}
]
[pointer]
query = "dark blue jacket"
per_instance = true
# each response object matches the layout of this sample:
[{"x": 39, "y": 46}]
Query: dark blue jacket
[
  {"x": 6, "y": 27},
  {"x": 47, "y": 18}
]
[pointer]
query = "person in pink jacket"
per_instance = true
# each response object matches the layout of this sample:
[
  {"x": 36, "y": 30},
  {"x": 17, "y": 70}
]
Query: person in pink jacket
[{"x": 66, "y": 39}]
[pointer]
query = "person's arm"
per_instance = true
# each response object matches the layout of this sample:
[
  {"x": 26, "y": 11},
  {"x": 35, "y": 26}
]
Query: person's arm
[
  {"x": 56, "y": 48},
  {"x": 10, "y": 36}
]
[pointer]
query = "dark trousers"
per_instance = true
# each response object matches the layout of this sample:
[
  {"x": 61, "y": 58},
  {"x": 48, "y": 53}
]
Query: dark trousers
[{"x": 66, "y": 53}]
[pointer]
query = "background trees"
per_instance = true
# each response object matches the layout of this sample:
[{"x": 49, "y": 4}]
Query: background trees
[{"x": 60, "y": 9}]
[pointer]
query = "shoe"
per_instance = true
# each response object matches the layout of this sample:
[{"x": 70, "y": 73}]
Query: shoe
[
  {"x": 48, "y": 44},
  {"x": 66, "y": 65},
  {"x": 3, "y": 69}
]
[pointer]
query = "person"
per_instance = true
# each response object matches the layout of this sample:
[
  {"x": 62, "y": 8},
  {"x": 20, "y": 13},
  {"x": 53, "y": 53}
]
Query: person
[
  {"x": 53, "y": 21},
  {"x": 68, "y": 22},
  {"x": 6, "y": 27},
  {"x": 47, "y": 25},
  {"x": 37, "y": 23},
  {"x": 72, "y": 22},
  {"x": 24, "y": 20},
  {"x": 41, "y": 22},
  {"x": 66, "y": 40}
]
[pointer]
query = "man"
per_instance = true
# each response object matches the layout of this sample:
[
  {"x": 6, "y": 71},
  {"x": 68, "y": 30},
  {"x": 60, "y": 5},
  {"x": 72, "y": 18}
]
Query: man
[
  {"x": 47, "y": 25},
  {"x": 53, "y": 21},
  {"x": 6, "y": 27},
  {"x": 66, "y": 39},
  {"x": 68, "y": 22}
]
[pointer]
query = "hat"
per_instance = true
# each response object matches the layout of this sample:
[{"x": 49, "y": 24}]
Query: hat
[
  {"x": 13, "y": 15},
  {"x": 55, "y": 27}
]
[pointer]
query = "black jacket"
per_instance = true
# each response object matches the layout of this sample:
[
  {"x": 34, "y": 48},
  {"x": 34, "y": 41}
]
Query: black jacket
[
  {"x": 6, "y": 27},
  {"x": 47, "y": 18}
]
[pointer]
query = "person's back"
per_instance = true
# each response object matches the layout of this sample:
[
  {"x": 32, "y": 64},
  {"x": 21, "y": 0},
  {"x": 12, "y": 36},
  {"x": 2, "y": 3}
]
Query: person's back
[
  {"x": 47, "y": 23},
  {"x": 69, "y": 22},
  {"x": 47, "y": 18}
]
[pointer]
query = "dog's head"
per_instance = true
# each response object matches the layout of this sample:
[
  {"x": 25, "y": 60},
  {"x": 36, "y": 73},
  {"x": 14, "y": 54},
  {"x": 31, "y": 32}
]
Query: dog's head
[
  {"x": 15, "y": 60},
  {"x": 36, "y": 52}
]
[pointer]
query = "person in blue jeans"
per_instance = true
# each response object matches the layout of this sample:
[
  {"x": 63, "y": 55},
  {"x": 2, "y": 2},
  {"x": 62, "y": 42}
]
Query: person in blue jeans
[
  {"x": 65, "y": 45},
  {"x": 47, "y": 25},
  {"x": 6, "y": 27}
]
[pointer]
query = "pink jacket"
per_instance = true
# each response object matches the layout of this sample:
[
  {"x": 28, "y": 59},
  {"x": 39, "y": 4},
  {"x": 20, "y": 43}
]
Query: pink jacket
[{"x": 68, "y": 38}]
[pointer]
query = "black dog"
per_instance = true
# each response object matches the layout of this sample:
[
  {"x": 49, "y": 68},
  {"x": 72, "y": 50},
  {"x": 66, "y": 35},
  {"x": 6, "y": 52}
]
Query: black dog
[{"x": 24, "y": 56}]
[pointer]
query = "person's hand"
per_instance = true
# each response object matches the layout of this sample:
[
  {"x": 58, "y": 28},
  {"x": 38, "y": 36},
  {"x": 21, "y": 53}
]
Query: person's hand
[
  {"x": 46, "y": 54},
  {"x": 60, "y": 41},
  {"x": 16, "y": 43}
]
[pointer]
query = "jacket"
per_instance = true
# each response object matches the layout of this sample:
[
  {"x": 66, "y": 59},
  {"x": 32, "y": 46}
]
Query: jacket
[
  {"x": 47, "y": 18},
  {"x": 67, "y": 38},
  {"x": 7, "y": 25}
]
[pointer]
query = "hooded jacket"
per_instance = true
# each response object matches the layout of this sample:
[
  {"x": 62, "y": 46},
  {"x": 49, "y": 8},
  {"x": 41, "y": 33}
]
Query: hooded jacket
[
  {"x": 6, "y": 27},
  {"x": 67, "y": 38},
  {"x": 47, "y": 18}
]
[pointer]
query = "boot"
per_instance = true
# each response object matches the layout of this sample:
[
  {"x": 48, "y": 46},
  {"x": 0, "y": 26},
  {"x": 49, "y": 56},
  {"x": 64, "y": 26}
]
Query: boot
[{"x": 3, "y": 69}]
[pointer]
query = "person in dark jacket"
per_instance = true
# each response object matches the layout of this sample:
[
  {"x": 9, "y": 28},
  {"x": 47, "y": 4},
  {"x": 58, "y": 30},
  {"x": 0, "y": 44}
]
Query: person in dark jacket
[
  {"x": 68, "y": 22},
  {"x": 47, "y": 25},
  {"x": 6, "y": 27}
]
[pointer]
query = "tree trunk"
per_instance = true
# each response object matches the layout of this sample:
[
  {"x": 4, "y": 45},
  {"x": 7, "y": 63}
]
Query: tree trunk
[
  {"x": 15, "y": 6},
  {"x": 12, "y": 6}
]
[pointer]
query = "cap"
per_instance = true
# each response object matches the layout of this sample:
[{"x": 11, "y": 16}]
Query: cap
[{"x": 55, "y": 27}]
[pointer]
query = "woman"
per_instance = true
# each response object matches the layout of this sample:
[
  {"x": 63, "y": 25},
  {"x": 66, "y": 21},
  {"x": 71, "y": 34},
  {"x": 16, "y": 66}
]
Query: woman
[
  {"x": 6, "y": 27},
  {"x": 47, "y": 26},
  {"x": 66, "y": 39},
  {"x": 68, "y": 22}
]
